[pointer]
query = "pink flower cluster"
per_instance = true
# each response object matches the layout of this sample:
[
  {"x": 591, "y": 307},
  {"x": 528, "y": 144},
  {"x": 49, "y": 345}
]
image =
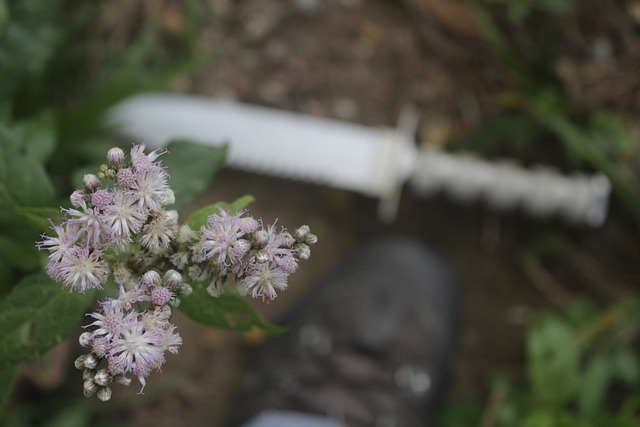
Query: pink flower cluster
[
  {"x": 110, "y": 218},
  {"x": 130, "y": 334},
  {"x": 261, "y": 259},
  {"x": 118, "y": 228}
]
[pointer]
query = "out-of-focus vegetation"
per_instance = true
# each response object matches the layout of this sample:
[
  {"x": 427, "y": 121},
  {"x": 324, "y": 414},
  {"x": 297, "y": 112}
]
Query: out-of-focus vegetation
[
  {"x": 582, "y": 371},
  {"x": 583, "y": 365}
]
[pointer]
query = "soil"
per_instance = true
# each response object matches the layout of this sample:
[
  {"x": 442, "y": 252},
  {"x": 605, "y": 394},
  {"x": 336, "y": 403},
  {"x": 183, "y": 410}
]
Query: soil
[{"x": 362, "y": 61}]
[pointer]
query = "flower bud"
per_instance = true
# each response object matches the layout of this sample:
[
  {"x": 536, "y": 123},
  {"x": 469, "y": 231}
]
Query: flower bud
[
  {"x": 311, "y": 239},
  {"x": 301, "y": 232},
  {"x": 151, "y": 278},
  {"x": 90, "y": 181},
  {"x": 77, "y": 198},
  {"x": 102, "y": 378},
  {"x": 174, "y": 302},
  {"x": 185, "y": 290},
  {"x": 85, "y": 339},
  {"x": 262, "y": 256},
  {"x": 172, "y": 278},
  {"x": 104, "y": 393},
  {"x": 79, "y": 362},
  {"x": 240, "y": 247},
  {"x": 115, "y": 156},
  {"x": 303, "y": 251},
  {"x": 89, "y": 388},
  {"x": 90, "y": 361},
  {"x": 261, "y": 237}
]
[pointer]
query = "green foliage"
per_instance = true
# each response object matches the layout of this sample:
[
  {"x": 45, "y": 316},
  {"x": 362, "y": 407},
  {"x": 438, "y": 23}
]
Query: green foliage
[
  {"x": 20, "y": 192},
  {"x": 35, "y": 316},
  {"x": 574, "y": 361},
  {"x": 553, "y": 361},
  {"x": 517, "y": 11},
  {"x": 229, "y": 311}
]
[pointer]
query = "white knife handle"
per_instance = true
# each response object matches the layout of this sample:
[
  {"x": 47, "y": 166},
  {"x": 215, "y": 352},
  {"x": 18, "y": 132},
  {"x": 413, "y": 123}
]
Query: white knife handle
[{"x": 540, "y": 192}]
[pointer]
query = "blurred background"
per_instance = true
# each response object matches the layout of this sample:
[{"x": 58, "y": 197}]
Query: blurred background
[{"x": 551, "y": 311}]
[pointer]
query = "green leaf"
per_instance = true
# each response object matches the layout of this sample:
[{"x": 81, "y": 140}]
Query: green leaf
[
  {"x": 39, "y": 217},
  {"x": 23, "y": 183},
  {"x": 192, "y": 168},
  {"x": 627, "y": 365},
  {"x": 199, "y": 217},
  {"x": 594, "y": 384},
  {"x": 38, "y": 136},
  {"x": 27, "y": 43},
  {"x": 229, "y": 311},
  {"x": 4, "y": 16},
  {"x": 240, "y": 204},
  {"x": 37, "y": 315},
  {"x": 6, "y": 277},
  {"x": 20, "y": 253},
  {"x": 553, "y": 360},
  {"x": 23, "y": 179},
  {"x": 8, "y": 375}
]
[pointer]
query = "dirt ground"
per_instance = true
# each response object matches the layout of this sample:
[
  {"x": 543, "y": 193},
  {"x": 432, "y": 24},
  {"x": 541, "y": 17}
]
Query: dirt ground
[{"x": 363, "y": 60}]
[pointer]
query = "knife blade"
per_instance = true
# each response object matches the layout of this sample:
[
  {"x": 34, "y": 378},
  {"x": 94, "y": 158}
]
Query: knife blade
[{"x": 374, "y": 161}]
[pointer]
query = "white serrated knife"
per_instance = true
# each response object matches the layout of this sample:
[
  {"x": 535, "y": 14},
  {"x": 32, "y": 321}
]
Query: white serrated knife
[{"x": 376, "y": 162}]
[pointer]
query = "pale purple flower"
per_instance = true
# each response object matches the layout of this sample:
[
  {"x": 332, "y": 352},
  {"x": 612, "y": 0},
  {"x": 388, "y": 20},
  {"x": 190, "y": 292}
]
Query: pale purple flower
[
  {"x": 67, "y": 236},
  {"x": 133, "y": 295},
  {"x": 158, "y": 234},
  {"x": 112, "y": 319},
  {"x": 262, "y": 281},
  {"x": 142, "y": 161},
  {"x": 150, "y": 188},
  {"x": 78, "y": 198},
  {"x": 140, "y": 350},
  {"x": 89, "y": 221},
  {"x": 223, "y": 238},
  {"x": 123, "y": 217},
  {"x": 83, "y": 268},
  {"x": 277, "y": 249}
]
